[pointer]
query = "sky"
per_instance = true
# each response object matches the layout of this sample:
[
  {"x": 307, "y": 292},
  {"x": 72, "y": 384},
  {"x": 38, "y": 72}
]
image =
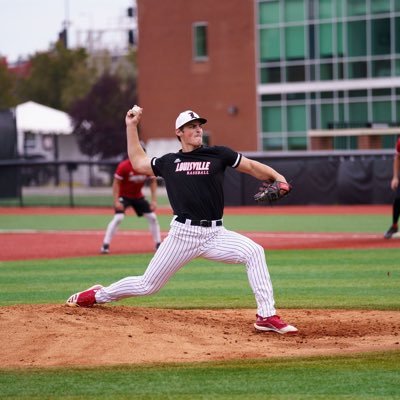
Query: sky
[{"x": 30, "y": 26}]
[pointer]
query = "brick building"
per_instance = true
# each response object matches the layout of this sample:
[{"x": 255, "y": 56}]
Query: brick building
[{"x": 273, "y": 75}]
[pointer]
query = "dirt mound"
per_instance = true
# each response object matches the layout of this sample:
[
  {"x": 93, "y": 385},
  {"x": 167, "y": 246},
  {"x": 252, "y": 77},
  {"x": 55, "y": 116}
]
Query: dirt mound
[{"x": 57, "y": 335}]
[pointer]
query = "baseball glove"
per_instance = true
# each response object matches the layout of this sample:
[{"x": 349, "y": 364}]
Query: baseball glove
[{"x": 272, "y": 191}]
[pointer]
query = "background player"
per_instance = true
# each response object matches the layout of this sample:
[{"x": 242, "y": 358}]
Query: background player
[
  {"x": 194, "y": 182},
  {"x": 127, "y": 192},
  {"x": 394, "y": 184}
]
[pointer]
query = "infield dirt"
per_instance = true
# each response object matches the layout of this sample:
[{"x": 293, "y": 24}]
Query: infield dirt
[{"x": 57, "y": 335}]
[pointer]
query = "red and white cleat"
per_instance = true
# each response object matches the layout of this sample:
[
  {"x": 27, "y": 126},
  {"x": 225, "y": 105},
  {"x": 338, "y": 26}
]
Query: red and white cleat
[
  {"x": 84, "y": 299},
  {"x": 274, "y": 324}
]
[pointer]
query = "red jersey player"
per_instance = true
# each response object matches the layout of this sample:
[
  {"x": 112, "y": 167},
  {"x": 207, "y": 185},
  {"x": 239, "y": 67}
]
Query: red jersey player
[{"x": 127, "y": 192}]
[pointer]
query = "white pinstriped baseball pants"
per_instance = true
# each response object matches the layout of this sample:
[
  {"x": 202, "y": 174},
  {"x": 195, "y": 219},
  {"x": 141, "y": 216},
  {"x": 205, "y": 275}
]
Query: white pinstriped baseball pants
[{"x": 183, "y": 244}]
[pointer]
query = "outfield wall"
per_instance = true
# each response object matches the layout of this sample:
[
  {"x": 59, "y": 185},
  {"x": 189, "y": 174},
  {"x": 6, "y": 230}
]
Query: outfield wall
[
  {"x": 317, "y": 177},
  {"x": 321, "y": 178}
]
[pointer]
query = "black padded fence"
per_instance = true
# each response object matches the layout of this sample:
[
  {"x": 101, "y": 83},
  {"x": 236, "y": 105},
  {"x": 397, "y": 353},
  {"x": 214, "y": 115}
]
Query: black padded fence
[
  {"x": 321, "y": 178},
  {"x": 317, "y": 178}
]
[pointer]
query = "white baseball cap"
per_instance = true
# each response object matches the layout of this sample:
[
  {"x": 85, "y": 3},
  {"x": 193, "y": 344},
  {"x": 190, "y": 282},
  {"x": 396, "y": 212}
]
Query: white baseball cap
[{"x": 187, "y": 116}]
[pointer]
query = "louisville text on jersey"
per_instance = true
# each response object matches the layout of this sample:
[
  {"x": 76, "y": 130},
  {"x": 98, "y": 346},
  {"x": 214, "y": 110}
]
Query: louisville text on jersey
[{"x": 194, "y": 167}]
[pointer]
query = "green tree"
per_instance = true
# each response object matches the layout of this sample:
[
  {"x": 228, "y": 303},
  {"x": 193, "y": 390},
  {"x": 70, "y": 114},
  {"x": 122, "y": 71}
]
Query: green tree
[
  {"x": 99, "y": 116},
  {"x": 52, "y": 75},
  {"x": 7, "y": 84}
]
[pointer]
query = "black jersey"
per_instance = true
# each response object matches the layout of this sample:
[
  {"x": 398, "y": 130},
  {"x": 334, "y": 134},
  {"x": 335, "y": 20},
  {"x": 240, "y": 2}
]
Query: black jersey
[{"x": 194, "y": 180}]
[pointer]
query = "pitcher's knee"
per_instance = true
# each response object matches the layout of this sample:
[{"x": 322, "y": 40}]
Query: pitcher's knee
[
  {"x": 150, "y": 288},
  {"x": 256, "y": 252}
]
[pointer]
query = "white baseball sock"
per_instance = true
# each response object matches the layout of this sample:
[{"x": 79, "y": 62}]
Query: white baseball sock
[
  {"x": 154, "y": 227},
  {"x": 112, "y": 227}
]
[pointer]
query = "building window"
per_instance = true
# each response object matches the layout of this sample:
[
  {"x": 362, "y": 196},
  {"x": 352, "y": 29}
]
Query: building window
[
  {"x": 29, "y": 140},
  {"x": 295, "y": 43},
  {"x": 296, "y": 118},
  {"x": 269, "y": 13},
  {"x": 380, "y": 36},
  {"x": 356, "y": 34},
  {"x": 381, "y": 68},
  {"x": 200, "y": 50},
  {"x": 270, "y": 44},
  {"x": 295, "y": 73},
  {"x": 272, "y": 119},
  {"x": 294, "y": 10},
  {"x": 270, "y": 75}
]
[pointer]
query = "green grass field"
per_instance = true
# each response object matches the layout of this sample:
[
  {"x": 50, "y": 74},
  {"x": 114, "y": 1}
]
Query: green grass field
[
  {"x": 354, "y": 279},
  {"x": 366, "y": 279},
  {"x": 369, "y": 376},
  {"x": 271, "y": 223}
]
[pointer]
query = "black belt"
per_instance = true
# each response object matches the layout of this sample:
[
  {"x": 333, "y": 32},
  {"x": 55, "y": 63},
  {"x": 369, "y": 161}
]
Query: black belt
[{"x": 201, "y": 222}]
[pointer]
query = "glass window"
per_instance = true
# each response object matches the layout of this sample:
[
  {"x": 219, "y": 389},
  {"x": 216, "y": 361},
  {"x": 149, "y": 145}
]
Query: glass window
[
  {"x": 295, "y": 73},
  {"x": 340, "y": 142},
  {"x": 380, "y": 36},
  {"x": 200, "y": 51},
  {"x": 271, "y": 97},
  {"x": 381, "y": 6},
  {"x": 326, "y": 8},
  {"x": 270, "y": 74},
  {"x": 396, "y": 5},
  {"x": 345, "y": 142},
  {"x": 397, "y": 68},
  {"x": 339, "y": 8},
  {"x": 313, "y": 116},
  {"x": 356, "y": 7},
  {"x": 327, "y": 115},
  {"x": 273, "y": 143},
  {"x": 339, "y": 39},
  {"x": 30, "y": 140},
  {"x": 358, "y": 93},
  {"x": 269, "y": 12},
  {"x": 296, "y": 96},
  {"x": 341, "y": 111},
  {"x": 294, "y": 45},
  {"x": 296, "y": 118},
  {"x": 326, "y": 71},
  {"x": 271, "y": 119},
  {"x": 381, "y": 111},
  {"x": 327, "y": 95},
  {"x": 381, "y": 92},
  {"x": 381, "y": 68},
  {"x": 297, "y": 143},
  {"x": 357, "y": 70},
  {"x": 389, "y": 141},
  {"x": 270, "y": 44},
  {"x": 312, "y": 40},
  {"x": 325, "y": 40},
  {"x": 358, "y": 113},
  {"x": 397, "y": 34},
  {"x": 294, "y": 10},
  {"x": 356, "y": 38},
  {"x": 340, "y": 70},
  {"x": 311, "y": 71}
]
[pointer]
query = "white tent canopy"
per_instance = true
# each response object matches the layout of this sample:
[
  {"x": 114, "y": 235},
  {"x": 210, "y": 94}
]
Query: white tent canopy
[
  {"x": 41, "y": 120},
  {"x": 37, "y": 118}
]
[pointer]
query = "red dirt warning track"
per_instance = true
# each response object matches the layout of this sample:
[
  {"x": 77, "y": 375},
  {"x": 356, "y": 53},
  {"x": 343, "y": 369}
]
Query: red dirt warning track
[
  {"x": 56, "y": 244},
  {"x": 59, "y": 244}
]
